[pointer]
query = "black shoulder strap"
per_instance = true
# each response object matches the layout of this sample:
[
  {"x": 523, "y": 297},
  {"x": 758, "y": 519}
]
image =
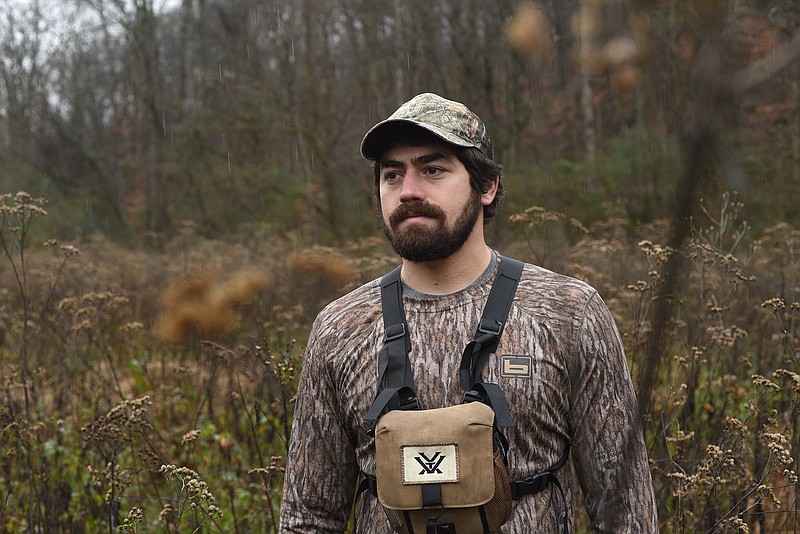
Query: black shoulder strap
[
  {"x": 395, "y": 377},
  {"x": 393, "y": 365},
  {"x": 477, "y": 352},
  {"x": 396, "y": 387}
]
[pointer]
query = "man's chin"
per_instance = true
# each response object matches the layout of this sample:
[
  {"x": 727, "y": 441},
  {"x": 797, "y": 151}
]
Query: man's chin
[
  {"x": 414, "y": 235},
  {"x": 420, "y": 248}
]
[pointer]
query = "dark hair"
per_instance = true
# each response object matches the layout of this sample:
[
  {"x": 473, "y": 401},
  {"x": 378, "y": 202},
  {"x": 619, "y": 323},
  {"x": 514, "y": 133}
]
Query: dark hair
[{"x": 482, "y": 170}]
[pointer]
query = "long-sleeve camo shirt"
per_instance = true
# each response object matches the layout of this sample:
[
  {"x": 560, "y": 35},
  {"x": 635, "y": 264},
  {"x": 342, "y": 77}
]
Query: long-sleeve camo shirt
[{"x": 560, "y": 364}]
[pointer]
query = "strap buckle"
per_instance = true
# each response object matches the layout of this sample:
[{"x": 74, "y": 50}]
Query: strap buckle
[
  {"x": 490, "y": 326},
  {"x": 395, "y": 331},
  {"x": 472, "y": 396},
  {"x": 408, "y": 403},
  {"x": 531, "y": 484}
]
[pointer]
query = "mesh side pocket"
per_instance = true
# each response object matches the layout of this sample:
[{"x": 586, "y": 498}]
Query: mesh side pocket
[
  {"x": 499, "y": 508},
  {"x": 396, "y": 520}
]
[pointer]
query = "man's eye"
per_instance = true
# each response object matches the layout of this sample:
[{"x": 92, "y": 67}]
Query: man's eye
[
  {"x": 433, "y": 171},
  {"x": 391, "y": 176}
]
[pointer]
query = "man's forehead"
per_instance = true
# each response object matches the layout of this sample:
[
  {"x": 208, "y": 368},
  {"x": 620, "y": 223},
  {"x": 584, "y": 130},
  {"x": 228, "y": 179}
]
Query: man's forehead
[{"x": 413, "y": 152}]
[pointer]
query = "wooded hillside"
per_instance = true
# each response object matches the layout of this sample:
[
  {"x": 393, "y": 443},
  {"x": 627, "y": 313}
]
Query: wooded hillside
[{"x": 244, "y": 116}]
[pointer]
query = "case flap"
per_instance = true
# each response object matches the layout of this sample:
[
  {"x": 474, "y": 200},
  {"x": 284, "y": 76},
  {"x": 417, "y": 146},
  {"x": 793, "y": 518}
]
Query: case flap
[{"x": 449, "y": 446}]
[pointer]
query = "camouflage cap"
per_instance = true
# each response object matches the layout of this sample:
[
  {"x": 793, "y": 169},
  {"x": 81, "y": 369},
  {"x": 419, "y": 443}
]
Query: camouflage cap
[{"x": 451, "y": 121}]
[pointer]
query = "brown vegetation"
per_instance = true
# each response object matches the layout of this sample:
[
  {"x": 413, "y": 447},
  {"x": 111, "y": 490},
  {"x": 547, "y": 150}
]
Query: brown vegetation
[
  {"x": 104, "y": 424},
  {"x": 203, "y": 305}
]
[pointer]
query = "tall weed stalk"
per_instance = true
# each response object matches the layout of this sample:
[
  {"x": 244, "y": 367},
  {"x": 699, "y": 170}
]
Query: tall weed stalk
[{"x": 726, "y": 405}]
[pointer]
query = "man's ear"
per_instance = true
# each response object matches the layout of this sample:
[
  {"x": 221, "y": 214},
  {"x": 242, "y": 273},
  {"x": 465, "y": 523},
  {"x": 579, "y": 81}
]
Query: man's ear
[{"x": 491, "y": 192}]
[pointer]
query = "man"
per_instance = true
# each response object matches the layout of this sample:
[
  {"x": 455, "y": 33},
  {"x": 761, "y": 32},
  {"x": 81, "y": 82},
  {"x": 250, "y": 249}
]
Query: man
[{"x": 560, "y": 363}]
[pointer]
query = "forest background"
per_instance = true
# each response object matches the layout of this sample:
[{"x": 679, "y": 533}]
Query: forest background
[{"x": 182, "y": 192}]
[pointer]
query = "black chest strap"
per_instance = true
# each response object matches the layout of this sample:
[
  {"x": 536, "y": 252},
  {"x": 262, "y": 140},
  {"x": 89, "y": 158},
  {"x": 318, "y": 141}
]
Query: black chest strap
[{"x": 395, "y": 376}]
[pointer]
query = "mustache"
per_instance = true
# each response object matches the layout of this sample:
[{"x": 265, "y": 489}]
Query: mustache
[{"x": 415, "y": 208}]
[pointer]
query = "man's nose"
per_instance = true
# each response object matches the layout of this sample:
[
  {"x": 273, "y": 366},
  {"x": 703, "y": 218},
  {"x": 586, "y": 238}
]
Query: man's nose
[{"x": 412, "y": 187}]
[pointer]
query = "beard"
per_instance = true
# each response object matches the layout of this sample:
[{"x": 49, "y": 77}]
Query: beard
[{"x": 417, "y": 243}]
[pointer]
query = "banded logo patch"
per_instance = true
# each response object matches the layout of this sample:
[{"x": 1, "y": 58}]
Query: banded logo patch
[
  {"x": 515, "y": 366},
  {"x": 429, "y": 464}
]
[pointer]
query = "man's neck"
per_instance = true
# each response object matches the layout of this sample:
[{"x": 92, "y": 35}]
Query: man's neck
[{"x": 442, "y": 277}]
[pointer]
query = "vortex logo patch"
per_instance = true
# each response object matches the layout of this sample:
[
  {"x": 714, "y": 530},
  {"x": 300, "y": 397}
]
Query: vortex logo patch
[{"x": 430, "y": 464}]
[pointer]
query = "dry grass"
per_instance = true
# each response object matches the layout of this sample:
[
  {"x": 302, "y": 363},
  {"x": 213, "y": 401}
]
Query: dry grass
[
  {"x": 204, "y": 305},
  {"x": 128, "y": 376}
]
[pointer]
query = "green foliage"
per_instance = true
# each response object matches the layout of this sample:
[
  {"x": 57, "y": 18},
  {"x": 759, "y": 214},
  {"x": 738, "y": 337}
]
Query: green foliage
[{"x": 627, "y": 182}]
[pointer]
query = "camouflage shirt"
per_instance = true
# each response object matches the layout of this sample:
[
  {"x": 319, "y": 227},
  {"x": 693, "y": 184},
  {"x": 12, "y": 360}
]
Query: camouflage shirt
[{"x": 569, "y": 383}]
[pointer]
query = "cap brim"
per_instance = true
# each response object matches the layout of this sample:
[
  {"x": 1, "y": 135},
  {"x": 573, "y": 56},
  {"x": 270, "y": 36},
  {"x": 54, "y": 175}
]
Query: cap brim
[{"x": 379, "y": 136}]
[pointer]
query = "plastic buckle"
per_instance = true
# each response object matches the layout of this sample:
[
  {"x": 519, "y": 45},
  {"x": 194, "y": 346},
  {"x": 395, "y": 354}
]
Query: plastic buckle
[
  {"x": 409, "y": 403},
  {"x": 395, "y": 331},
  {"x": 472, "y": 396},
  {"x": 530, "y": 485},
  {"x": 369, "y": 428},
  {"x": 486, "y": 327}
]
